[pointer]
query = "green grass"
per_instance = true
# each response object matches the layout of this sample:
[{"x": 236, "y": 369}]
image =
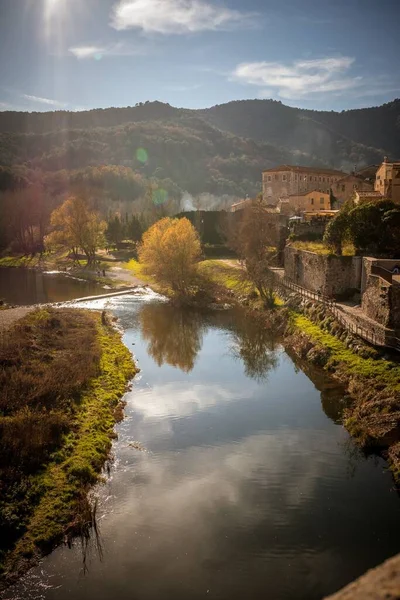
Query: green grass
[
  {"x": 20, "y": 261},
  {"x": 52, "y": 498},
  {"x": 230, "y": 277},
  {"x": 225, "y": 275},
  {"x": 381, "y": 372},
  {"x": 137, "y": 269},
  {"x": 321, "y": 248}
]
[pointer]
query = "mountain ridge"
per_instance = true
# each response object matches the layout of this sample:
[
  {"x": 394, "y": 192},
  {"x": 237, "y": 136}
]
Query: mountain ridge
[{"x": 221, "y": 150}]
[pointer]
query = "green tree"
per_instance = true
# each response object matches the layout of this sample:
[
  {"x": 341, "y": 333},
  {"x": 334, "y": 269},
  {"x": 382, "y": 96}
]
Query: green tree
[
  {"x": 337, "y": 232},
  {"x": 134, "y": 229},
  {"x": 115, "y": 231},
  {"x": 370, "y": 229}
]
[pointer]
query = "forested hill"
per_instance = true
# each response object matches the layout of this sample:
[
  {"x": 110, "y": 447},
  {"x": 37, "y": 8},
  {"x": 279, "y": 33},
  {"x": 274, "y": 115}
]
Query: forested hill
[
  {"x": 312, "y": 131},
  {"x": 221, "y": 150}
]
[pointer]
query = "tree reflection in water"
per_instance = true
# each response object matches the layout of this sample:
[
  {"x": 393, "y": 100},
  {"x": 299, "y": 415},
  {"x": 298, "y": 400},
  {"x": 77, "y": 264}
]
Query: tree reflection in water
[
  {"x": 174, "y": 336},
  {"x": 255, "y": 345}
]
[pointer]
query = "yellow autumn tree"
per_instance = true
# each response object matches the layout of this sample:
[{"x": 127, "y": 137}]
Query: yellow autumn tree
[
  {"x": 76, "y": 227},
  {"x": 170, "y": 251}
]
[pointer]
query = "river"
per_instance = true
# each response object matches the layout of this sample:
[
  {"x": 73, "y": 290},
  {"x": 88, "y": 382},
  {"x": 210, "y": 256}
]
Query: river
[
  {"x": 244, "y": 483},
  {"x": 21, "y": 286}
]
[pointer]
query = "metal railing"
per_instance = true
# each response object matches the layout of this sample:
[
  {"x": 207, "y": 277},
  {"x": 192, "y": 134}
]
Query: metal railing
[
  {"x": 382, "y": 273},
  {"x": 347, "y": 323}
]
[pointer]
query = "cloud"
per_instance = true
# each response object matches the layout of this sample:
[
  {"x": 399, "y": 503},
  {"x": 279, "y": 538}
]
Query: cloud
[
  {"x": 299, "y": 79},
  {"x": 119, "y": 49},
  {"x": 48, "y": 101},
  {"x": 82, "y": 52},
  {"x": 183, "y": 88},
  {"x": 174, "y": 16}
]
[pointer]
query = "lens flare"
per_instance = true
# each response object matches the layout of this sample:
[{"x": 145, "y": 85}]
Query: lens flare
[
  {"x": 160, "y": 196},
  {"x": 141, "y": 155}
]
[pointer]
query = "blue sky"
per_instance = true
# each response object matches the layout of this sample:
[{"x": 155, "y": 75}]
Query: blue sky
[{"x": 81, "y": 54}]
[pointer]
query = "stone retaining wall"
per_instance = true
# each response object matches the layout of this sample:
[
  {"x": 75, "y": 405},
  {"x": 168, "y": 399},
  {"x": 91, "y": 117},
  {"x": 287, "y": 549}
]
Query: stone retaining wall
[{"x": 334, "y": 276}]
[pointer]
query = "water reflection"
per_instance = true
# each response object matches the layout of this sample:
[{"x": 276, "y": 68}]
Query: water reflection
[
  {"x": 27, "y": 286},
  {"x": 174, "y": 336},
  {"x": 247, "y": 489},
  {"x": 254, "y": 345}
]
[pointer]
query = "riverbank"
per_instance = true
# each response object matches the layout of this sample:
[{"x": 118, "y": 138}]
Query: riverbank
[
  {"x": 371, "y": 377},
  {"x": 65, "y": 371},
  {"x": 111, "y": 271}
]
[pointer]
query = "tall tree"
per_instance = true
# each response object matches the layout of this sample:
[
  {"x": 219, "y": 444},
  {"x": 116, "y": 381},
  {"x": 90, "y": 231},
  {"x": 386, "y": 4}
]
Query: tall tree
[
  {"x": 170, "y": 250},
  {"x": 75, "y": 227},
  {"x": 255, "y": 242}
]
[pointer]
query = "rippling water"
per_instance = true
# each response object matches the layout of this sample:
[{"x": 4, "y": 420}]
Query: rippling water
[{"x": 245, "y": 484}]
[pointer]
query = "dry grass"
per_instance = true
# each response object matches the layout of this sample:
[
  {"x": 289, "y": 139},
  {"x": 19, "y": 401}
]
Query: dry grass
[{"x": 62, "y": 373}]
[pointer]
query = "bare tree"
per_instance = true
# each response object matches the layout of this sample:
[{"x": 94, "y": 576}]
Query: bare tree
[{"x": 255, "y": 238}]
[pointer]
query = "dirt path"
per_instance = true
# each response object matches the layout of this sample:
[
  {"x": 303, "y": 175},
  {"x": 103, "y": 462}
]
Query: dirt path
[
  {"x": 10, "y": 316},
  {"x": 123, "y": 276}
]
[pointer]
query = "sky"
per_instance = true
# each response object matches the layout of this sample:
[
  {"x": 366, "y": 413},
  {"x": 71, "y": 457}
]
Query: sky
[{"x": 83, "y": 54}]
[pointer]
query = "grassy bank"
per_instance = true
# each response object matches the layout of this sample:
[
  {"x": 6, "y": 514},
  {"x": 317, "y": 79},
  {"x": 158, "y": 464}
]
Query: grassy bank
[
  {"x": 372, "y": 379},
  {"x": 63, "y": 373}
]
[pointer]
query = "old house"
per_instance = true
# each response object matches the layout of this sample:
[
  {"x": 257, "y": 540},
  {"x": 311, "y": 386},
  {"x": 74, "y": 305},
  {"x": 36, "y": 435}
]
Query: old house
[
  {"x": 286, "y": 180},
  {"x": 313, "y": 201},
  {"x": 387, "y": 181},
  {"x": 344, "y": 189}
]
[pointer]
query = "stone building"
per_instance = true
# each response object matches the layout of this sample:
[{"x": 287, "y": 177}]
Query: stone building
[
  {"x": 344, "y": 189},
  {"x": 387, "y": 180},
  {"x": 306, "y": 202},
  {"x": 286, "y": 180}
]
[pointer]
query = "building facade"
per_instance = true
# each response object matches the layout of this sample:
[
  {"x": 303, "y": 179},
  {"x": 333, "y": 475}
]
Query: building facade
[
  {"x": 296, "y": 204},
  {"x": 286, "y": 180},
  {"x": 344, "y": 189},
  {"x": 387, "y": 180}
]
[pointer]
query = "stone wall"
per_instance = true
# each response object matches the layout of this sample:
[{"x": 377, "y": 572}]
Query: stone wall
[
  {"x": 376, "y": 300},
  {"x": 380, "y": 299},
  {"x": 313, "y": 230},
  {"x": 367, "y": 262},
  {"x": 395, "y": 306},
  {"x": 333, "y": 276}
]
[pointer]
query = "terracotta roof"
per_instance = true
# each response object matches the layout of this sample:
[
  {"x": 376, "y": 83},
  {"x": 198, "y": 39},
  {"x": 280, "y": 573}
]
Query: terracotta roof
[
  {"x": 298, "y": 169},
  {"x": 352, "y": 176},
  {"x": 307, "y": 193}
]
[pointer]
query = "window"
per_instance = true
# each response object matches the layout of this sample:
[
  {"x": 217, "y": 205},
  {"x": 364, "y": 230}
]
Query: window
[
  {"x": 320, "y": 179},
  {"x": 283, "y": 177},
  {"x": 343, "y": 187},
  {"x": 321, "y": 201},
  {"x": 269, "y": 178},
  {"x": 312, "y": 201},
  {"x": 323, "y": 180},
  {"x": 295, "y": 177},
  {"x": 305, "y": 177}
]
